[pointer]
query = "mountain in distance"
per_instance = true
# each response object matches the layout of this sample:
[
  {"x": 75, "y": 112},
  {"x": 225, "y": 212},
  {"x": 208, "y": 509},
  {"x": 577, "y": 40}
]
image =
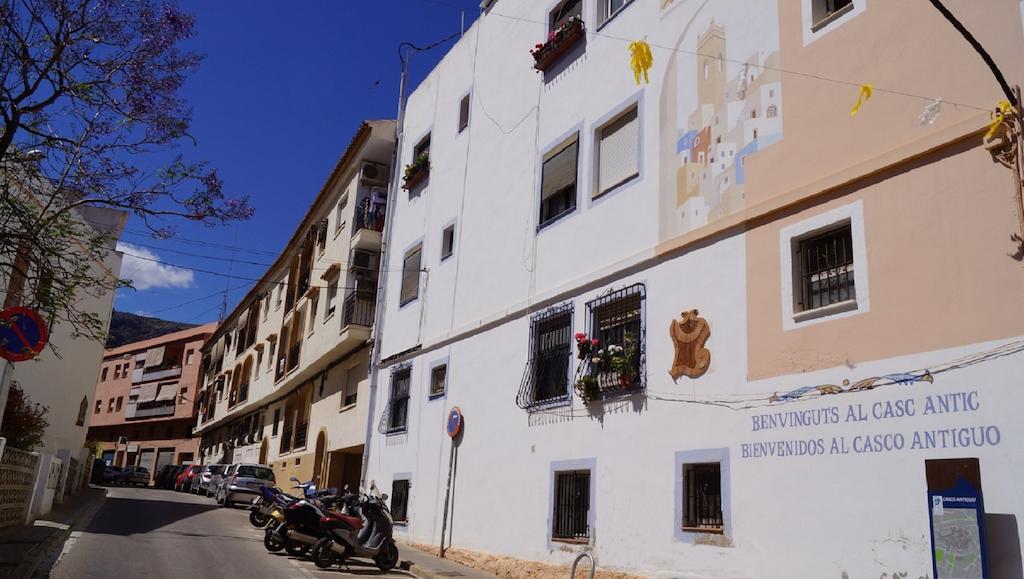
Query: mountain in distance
[{"x": 126, "y": 328}]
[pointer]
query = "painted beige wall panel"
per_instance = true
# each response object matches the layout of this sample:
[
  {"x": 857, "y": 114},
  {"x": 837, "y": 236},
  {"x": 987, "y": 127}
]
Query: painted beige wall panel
[
  {"x": 937, "y": 235},
  {"x": 921, "y": 54}
]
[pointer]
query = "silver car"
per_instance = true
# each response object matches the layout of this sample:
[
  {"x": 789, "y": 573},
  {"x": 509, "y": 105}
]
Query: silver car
[
  {"x": 201, "y": 482},
  {"x": 244, "y": 483},
  {"x": 217, "y": 480}
]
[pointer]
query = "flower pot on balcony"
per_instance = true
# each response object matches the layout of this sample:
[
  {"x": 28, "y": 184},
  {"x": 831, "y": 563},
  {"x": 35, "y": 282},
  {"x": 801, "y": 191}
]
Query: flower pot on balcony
[
  {"x": 415, "y": 178},
  {"x": 560, "y": 42}
]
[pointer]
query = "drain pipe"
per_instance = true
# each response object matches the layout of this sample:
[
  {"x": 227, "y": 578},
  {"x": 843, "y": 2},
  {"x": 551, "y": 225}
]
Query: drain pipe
[{"x": 382, "y": 273}]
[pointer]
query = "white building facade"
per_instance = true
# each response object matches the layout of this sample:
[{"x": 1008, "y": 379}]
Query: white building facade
[{"x": 779, "y": 388}]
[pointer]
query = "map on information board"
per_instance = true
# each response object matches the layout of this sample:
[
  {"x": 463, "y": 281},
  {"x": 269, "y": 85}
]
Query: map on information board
[{"x": 958, "y": 553}]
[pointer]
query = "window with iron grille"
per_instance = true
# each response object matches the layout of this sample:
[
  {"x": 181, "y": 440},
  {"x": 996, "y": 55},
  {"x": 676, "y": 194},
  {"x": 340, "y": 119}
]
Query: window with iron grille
[
  {"x": 616, "y": 319},
  {"x": 558, "y": 182},
  {"x": 400, "y": 500},
  {"x": 571, "y": 518},
  {"x": 438, "y": 380},
  {"x": 546, "y": 379},
  {"x": 702, "y": 507},
  {"x": 398, "y": 408},
  {"x": 825, "y": 268}
]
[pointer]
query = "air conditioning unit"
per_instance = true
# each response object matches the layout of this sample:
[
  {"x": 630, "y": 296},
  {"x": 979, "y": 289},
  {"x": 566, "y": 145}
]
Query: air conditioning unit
[
  {"x": 363, "y": 262},
  {"x": 371, "y": 173}
]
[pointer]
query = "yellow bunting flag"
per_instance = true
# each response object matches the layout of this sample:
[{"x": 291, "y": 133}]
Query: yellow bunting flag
[
  {"x": 863, "y": 97},
  {"x": 640, "y": 59},
  {"x": 1003, "y": 109}
]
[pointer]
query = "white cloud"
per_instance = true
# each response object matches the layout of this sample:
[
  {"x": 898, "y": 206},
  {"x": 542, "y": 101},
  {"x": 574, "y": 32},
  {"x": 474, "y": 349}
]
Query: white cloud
[{"x": 146, "y": 274}]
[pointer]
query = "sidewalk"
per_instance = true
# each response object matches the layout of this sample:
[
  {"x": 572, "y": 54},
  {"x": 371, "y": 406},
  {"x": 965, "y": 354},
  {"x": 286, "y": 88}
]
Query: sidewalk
[
  {"x": 23, "y": 548},
  {"x": 427, "y": 566}
]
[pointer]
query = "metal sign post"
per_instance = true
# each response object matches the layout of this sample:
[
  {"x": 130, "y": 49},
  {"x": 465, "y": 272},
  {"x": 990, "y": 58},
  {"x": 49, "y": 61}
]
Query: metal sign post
[{"x": 453, "y": 427}]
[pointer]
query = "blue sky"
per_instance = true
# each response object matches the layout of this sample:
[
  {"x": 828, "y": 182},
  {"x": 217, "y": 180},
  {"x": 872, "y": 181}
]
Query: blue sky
[{"x": 279, "y": 95}]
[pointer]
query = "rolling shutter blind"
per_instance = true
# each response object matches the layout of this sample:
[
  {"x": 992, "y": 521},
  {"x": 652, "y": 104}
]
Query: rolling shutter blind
[
  {"x": 167, "y": 392},
  {"x": 559, "y": 171},
  {"x": 618, "y": 151},
  {"x": 148, "y": 392},
  {"x": 411, "y": 275}
]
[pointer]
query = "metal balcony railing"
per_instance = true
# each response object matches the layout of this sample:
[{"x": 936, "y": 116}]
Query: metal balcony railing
[
  {"x": 367, "y": 218},
  {"x": 359, "y": 307}
]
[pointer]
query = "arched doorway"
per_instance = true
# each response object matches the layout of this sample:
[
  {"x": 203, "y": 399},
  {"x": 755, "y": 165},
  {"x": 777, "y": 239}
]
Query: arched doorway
[
  {"x": 264, "y": 449},
  {"x": 318, "y": 459}
]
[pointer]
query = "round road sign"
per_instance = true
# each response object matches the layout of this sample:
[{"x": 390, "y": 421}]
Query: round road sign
[
  {"x": 454, "y": 424},
  {"x": 23, "y": 334}
]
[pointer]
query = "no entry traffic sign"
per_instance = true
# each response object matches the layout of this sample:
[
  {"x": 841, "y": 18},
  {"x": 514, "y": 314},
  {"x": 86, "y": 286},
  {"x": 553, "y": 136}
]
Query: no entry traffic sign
[
  {"x": 454, "y": 424},
  {"x": 23, "y": 334}
]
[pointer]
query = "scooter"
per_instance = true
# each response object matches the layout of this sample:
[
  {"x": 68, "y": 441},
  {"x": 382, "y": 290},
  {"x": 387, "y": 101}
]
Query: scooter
[
  {"x": 271, "y": 498},
  {"x": 301, "y": 528},
  {"x": 367, "y": 535}
]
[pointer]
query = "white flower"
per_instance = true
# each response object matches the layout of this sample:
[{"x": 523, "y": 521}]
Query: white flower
[{"x": 596, "y": 360}]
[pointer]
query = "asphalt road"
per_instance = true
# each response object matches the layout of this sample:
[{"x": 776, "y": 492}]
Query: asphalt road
[{"x": 159, "y": 533}]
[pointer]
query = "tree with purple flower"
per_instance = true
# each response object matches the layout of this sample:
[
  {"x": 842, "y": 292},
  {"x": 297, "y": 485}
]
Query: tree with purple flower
[{"x": 91, "y": 116}]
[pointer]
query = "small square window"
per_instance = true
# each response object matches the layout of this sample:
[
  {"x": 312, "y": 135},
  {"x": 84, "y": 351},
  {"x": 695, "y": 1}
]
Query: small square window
[
  {"x": 438, "y": 380},
  {"x": 571, "y": 517},
  {"x": 447, "y": 242},
  {"x": 400, "y": 500},
  {"x": 702, "y": 505},
  {"x": 608, "y": 8},
  {"x": 558, "y": 182},
  {"x": 99, "y": 406},
  {"x": 564, "y": 11},
  {"x": 463, "y": 113},
  {"x": 824, "y": 262},
  {"x": 411, "y": 275},
  {"x": 120, "y": 401},
  {"x": 110, "y": 405},
  {"x": 824, "y": 12},
  {"x": 103, "y": 374}
]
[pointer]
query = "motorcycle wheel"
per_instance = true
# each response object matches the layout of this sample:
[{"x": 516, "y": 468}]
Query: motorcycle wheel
[
  {"x": 296, "y": 549},
  {"x": 272, "y": 541},
  {"x": 258, "y": 519},
  {"x": 388, "y": 557},
  {"x": 322, "y": 554}
]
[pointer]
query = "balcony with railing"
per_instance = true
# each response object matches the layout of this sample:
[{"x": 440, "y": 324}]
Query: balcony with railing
[
  {"x": 368, "y": 225},
  {"x": 162, "y": 374},
  {"x": 359, "y": 308},
  {"x": 150, "y": 409}
]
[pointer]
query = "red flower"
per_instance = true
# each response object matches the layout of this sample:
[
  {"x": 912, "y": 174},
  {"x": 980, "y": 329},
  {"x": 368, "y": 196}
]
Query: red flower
[
  {"x": 595, "y": 342},
  {"x": 580, "y": 336}
]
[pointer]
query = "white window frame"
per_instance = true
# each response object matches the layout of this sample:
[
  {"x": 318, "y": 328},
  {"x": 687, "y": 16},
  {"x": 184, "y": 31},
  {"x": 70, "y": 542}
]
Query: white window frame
[
  {"x": 808, "y": 22},
  {"x": 605, "y": 13},
  {"x": 790, "y": 236}
]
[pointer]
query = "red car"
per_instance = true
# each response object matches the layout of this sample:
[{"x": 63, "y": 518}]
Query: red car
[{"x": 184, "y": 480}]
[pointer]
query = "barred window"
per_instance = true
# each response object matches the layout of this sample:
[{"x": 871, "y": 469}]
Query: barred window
[
  {"x": 825, "y": 262},
  {"x": 398, "y": 409},
  {"x": 546, "y": 378},
  {"x": 617, "y": 321},
  {"x": 702, "y": 509},
  {"x": 400, "y": 500},
  {"x": 570, "y": 520}
]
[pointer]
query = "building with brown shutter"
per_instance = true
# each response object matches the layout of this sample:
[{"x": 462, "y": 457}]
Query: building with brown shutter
[{"x": 143, "y": 411}]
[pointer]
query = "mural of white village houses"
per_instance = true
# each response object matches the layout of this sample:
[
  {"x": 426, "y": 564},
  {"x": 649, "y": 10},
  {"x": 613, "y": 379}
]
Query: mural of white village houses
[{"x": 736, "y": 111}]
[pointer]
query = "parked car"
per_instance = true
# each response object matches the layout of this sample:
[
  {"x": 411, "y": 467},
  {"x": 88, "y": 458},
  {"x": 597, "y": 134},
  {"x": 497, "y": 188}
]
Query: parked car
[
  {"x": 138, "y": 475},
  {"x": 201, "y": 482},
  {"x": 244, "y": 483},
  {"x": 184, "y": 481},
  {"x": 217, "y": 481},
  {"x": 165, "y": 476},
  {"x": 115, "y": 475}
]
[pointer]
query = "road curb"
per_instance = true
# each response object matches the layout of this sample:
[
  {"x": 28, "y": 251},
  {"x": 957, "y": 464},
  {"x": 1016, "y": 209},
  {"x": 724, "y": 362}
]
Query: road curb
[{"x": 35, "y": 556}]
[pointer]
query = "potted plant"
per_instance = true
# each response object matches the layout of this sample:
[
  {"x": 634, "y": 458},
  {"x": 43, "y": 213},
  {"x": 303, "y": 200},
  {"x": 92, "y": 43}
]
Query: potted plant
[
  {"x": 586, "y": 387},
  {"x": 416, "y": 171},
  {"x": 559, "y": 41}
]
